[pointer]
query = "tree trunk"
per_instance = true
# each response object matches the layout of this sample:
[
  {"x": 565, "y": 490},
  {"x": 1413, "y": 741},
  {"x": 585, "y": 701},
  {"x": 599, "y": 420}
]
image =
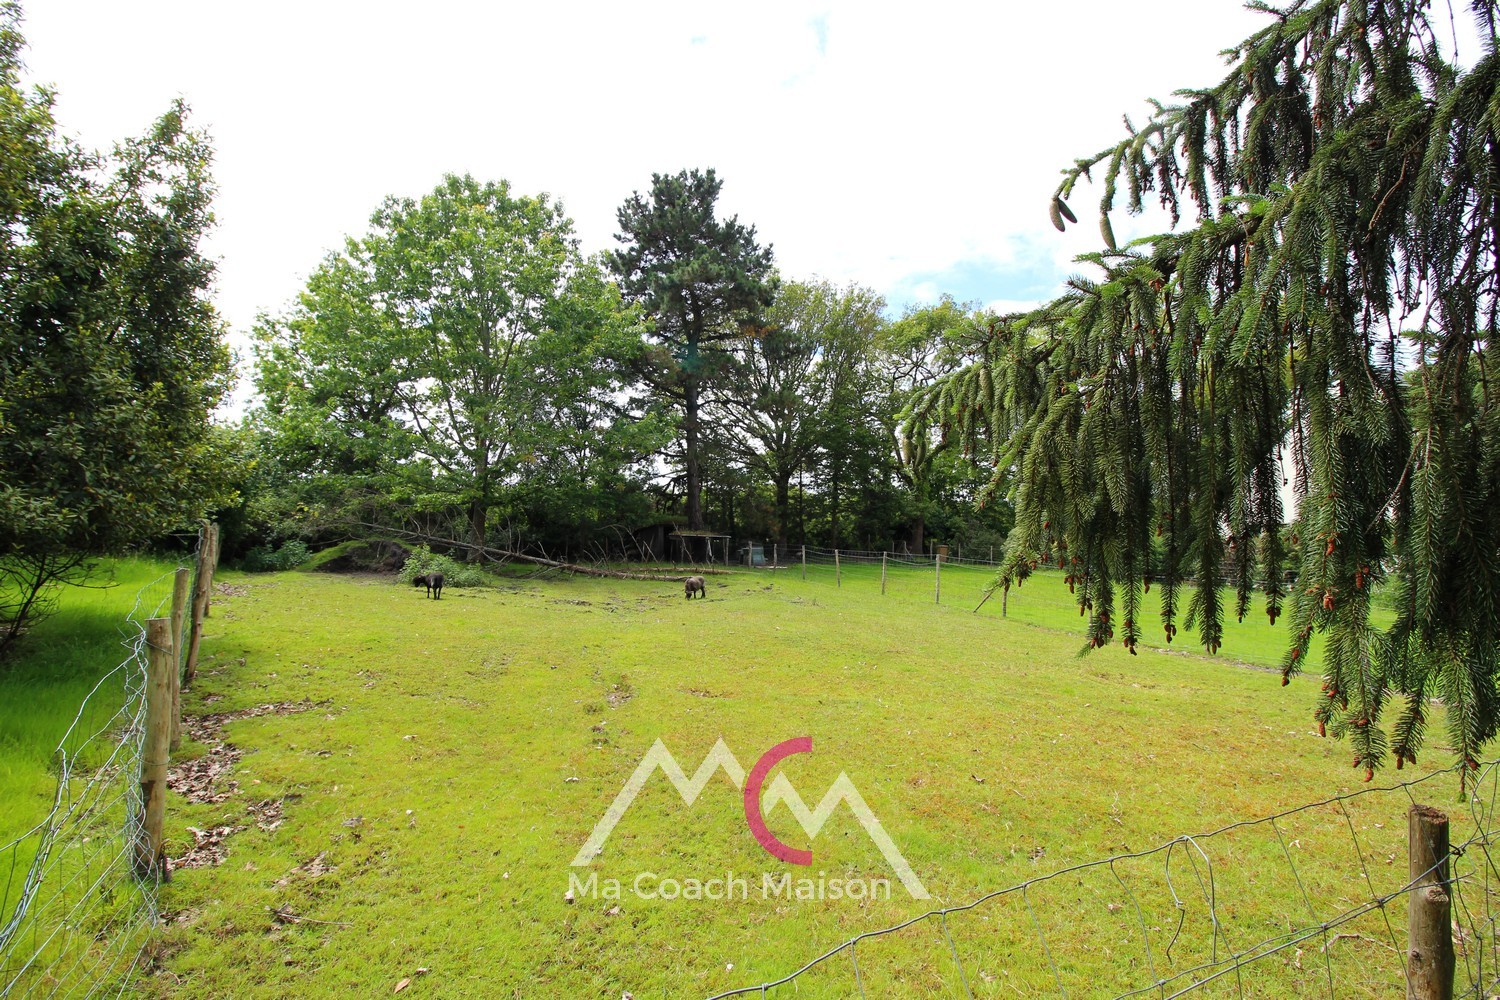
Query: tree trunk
[
  {"x": 783, "y": 507},
  {"x": 478, "y": 514},
  {"x": 919, "y": 533},
  {"x": 833, "y": 509},
  {"x": 802, "y": 512},
  {"x": 690, "y": 455},
  {"x": 479, "y": 508}
]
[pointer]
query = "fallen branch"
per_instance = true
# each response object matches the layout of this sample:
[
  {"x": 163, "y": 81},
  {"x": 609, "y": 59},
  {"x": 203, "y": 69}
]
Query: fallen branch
[{"x": 505, "y": 555}]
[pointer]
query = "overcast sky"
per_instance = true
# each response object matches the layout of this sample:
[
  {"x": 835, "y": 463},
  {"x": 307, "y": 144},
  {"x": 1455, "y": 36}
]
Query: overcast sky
[{"x": 909, "y": 147}]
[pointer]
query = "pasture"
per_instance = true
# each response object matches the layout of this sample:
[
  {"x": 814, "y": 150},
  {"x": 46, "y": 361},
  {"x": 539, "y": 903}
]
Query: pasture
[
  {"x": 441, "y": 763},
  {"x": 409, "y": 807}
]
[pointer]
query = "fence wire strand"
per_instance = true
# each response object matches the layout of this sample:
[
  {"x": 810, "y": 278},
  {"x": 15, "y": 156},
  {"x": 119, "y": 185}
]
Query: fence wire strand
[
  {"x": 75, "y": 917},
  {"x": 1204, "y": 926}
]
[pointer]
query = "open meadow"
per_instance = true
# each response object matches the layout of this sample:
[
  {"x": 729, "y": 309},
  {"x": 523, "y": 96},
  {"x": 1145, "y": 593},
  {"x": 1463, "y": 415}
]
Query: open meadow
[{"x": 409, "y": 805}]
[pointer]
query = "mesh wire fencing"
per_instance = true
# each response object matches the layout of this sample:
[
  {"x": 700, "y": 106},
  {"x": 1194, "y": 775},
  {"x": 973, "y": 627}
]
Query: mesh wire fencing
[
  {"x": 1311, "y": 901},
  {"x": 74, "y": 915}
]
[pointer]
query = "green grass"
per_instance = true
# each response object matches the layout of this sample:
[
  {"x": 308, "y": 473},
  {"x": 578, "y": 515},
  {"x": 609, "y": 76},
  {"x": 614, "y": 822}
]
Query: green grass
[
  {"x": 1044, "y": 600},
  {"x": 431, "y": 811},
  {"x": 51, "y": 671}
]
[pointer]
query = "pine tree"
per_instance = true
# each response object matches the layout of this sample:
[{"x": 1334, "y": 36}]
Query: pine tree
[
  {"x": 1327, "y": 316},
  {"x": 703, "y": 282}
]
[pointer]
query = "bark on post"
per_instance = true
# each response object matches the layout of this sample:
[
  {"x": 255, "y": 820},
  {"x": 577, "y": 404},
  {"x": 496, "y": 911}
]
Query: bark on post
[
  {"x": 882, "y": 573},
  {"x": 150, "y": 856},
  {"x": 937, "y": 579},
  {"x": 179, "y": 609},
  {"x": 202, "y": 577},
  {"x": 838, "y": 574},
  {"x": 1429, "y": 932},
  {"x": 212, "y": 542}
]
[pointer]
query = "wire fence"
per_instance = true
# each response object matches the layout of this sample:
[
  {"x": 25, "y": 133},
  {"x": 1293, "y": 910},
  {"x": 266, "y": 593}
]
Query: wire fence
[
  {"x": 1190, "y": 915},
  {"x": 950, "y": 557},
  {"x": 826, "y": 557},
  {"x": 75, "y": 914}
]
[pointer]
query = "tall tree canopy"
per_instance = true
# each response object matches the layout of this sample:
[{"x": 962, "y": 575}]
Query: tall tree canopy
[
  {"x": 787, "y": 403},
  {"x": 460, "y": 346},
  {"x": 1328, "y": 318},
  {"x": 111, "y": 355},
  {"x": 703, "y": 282},
  {"x": 925, "y": 345}
]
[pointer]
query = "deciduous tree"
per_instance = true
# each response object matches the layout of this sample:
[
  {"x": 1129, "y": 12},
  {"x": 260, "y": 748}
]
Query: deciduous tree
[
  {"x": 111, "y": 355},
  {"x": 796, "y": 383},
  {"x": 459, "y": 346}
]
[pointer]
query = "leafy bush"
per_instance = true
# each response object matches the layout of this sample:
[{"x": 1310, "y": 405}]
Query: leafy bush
[
  {"x": 264, "y": 559},
  {"x": 455, "y": 574}
]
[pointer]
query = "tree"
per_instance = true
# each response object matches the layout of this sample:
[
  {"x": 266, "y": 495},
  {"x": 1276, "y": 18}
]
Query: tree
[
  {"x": 789, "y": 395},
  {"x": 111, "y": 356},
  {"x": 461, "y": 345},
  {"x": 852, "y": 465},
  {"x": 1335, "y": 301},
  {"x": 702, "y": 282},
  {"x": 926, "y": 345}
]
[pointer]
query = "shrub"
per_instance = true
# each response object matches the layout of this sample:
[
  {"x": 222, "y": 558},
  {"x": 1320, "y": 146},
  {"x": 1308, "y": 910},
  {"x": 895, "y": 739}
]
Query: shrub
[
  {"x": 264, "y": 559},
  {"x": 455, "y": 574}
]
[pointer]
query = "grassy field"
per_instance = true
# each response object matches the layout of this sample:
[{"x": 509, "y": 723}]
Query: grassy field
[
  {"x": 410, "y": 811},
  {"x": 52, "y": 671}
]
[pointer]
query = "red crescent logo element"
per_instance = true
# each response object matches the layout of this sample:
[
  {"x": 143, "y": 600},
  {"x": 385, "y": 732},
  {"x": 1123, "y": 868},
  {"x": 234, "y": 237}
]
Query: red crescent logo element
[{"x": 763, "y": 836}]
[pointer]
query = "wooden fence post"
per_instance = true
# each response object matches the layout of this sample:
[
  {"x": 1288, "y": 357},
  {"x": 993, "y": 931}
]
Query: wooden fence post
[
  {"x": 202, "y": 577},
  {"x": 212, "y": 543},
  {"x": 180, "y": 584},
  {"x": 1429, "y": 931},
  {"x": 838, "y": 574},
  {"x": 882, "y": 572},
  {"x": 179, "y": 609},
  {"x": 804, "y": 562},
  {"x": 937, "y": 579},
  {"x": 150, "y": 856}
]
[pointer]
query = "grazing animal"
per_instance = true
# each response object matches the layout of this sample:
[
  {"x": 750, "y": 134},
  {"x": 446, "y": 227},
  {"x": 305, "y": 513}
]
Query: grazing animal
[
  {"x": 694, "y": 585},
  {"x": 433, "y": 582}
]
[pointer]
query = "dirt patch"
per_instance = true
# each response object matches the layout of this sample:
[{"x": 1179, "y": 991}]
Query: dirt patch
[
  {"x": 268, "y": 814},
  {"x": 231, "y": 589},
  {"x": 312, "y": 868},
  {"x": 186, "y": 916},
  {"x": 208, "y": 848},
  {"x": 209, "y": 727},
  {"x": 207, "y": 779},
  {"x": 619, "y": 694},
  {"x": 198, "y": 780}
]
